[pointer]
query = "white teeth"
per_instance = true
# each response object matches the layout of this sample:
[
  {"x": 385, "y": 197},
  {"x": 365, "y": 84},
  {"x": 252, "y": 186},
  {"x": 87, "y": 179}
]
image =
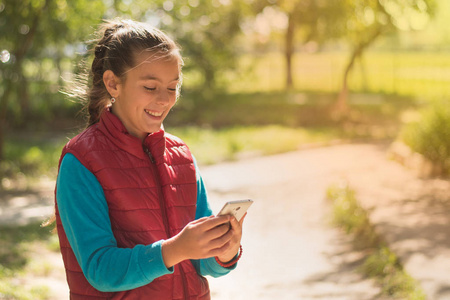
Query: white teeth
[{"x": 156, "y": 114}]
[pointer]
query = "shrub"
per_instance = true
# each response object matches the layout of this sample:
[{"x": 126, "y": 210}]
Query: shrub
[
  {"x": 430, "y": 136},
  {"x": 380, "y": 262}
]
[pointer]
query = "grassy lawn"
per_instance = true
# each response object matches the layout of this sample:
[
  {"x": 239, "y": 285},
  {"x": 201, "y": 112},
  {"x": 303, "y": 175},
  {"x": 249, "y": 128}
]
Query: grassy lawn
[
  {"x": 211, "y": 146},
  {"x": 233, "y": 126},
  {"x": 17, "y": 246},
  {"x": 29, "y": 156},
  {"x": 406, "y": 73}
]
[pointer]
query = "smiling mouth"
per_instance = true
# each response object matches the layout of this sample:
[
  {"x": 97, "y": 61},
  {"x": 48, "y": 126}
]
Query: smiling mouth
[{"x": 153, "y": 113}]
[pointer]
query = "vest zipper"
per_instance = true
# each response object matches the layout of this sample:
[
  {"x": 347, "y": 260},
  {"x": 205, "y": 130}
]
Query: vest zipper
[{"x": 162, "y": 204}]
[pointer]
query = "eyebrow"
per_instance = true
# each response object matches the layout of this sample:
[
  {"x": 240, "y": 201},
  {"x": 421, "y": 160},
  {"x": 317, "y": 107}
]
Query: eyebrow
[{"x": 152, "y": 77}]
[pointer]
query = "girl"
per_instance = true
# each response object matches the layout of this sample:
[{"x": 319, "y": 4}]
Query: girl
[{"x": 132, "y": 214}]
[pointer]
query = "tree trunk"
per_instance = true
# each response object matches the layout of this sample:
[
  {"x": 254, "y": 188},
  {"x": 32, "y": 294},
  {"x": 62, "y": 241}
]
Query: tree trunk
[
  {"x": 365, "y": 80},
  {"x": 289, "y": 51},
  {"x": 3, "y": 106},
  {"x": 210, "y": 77},
  {"x": 341, "y": 105},
  {"x": 24, "y": 99}
]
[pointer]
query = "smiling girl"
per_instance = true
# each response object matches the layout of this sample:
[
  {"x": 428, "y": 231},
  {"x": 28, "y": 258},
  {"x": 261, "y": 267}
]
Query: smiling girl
[{"x": 132, "y": 213}]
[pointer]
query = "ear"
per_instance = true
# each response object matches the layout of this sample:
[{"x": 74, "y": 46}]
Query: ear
[{"x": 112, "y": 83}]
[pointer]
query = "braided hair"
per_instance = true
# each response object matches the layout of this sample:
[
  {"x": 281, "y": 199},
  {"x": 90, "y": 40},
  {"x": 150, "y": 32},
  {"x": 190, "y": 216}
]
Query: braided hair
[{"x": 118, "y": 43}]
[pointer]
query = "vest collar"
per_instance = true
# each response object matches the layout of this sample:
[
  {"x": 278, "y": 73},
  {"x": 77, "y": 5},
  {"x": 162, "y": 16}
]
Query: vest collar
[{"x": 114, "y": 129}]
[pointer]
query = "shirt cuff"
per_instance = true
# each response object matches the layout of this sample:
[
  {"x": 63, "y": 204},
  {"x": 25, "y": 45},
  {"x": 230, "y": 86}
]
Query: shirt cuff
[
  {"x": 151, "y": 261},
  {"x": 214, "y": 269}
]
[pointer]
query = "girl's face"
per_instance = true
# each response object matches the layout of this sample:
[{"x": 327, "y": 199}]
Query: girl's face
[{"x": 147, "y": 94}]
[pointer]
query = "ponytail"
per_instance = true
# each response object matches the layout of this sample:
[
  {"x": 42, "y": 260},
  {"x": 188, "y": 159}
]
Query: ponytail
[{"x": 97, "y": 94}]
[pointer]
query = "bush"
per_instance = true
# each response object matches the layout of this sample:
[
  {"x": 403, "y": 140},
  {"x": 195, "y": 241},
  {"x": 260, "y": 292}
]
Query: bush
[
  {"x": 380, "y": 262},
  {"x": 430, "y": 136}
]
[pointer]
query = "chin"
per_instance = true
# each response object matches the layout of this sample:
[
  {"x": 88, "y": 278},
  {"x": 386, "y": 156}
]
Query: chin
[{"x": 154, "y": 129}]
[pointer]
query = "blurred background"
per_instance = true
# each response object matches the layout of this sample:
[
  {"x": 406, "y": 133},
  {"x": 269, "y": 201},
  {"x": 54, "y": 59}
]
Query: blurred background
[{"x": 261, "y": 77}]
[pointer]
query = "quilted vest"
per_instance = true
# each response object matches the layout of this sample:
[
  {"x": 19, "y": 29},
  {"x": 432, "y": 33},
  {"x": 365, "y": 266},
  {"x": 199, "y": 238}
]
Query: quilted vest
[{"x": 150, "y": 188}]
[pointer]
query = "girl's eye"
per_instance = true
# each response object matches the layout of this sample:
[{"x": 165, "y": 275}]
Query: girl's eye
[
  {"x": 149, "y": 89},
  {"x": 172, "y": 90}
]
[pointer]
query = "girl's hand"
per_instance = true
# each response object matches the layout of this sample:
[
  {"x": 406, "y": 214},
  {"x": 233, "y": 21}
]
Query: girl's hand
[
  {"x": 232, "y": 248},
  {"x": 203, "y": 238}
]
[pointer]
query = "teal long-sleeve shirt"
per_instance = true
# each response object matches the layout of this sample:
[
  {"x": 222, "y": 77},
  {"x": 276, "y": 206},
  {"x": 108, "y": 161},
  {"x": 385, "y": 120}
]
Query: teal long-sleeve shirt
[{"x": 84, "y": 214}]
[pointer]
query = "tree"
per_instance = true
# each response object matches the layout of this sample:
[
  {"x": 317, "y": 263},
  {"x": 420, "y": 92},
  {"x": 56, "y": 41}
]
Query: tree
[
  {"x": 308, "y": 20},
  {"x": 206, "y": 30},
  {"x": 364, "y": 21},
  {"x": 19, "y": 46},
  {"x": 33, "y": 31}
]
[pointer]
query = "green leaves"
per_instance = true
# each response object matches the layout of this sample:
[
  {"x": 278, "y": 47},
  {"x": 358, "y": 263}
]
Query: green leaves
[{"x": 430, "y": 136}]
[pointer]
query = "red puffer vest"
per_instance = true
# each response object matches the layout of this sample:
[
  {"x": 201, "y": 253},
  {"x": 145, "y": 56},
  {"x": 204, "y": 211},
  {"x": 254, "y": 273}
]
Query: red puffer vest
[{"x": 151, "y": 191}]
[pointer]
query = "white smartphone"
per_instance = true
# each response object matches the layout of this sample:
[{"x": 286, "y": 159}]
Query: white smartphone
[{"x": 236, "y": 208}]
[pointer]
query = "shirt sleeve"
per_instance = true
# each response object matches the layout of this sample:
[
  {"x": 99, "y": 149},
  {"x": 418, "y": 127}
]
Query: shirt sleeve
[
  {"x": 207, "y": 266},
  {"x": 83, "y": 209}
]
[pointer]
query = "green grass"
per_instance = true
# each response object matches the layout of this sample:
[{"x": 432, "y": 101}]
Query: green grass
[
  {"x": 406, "y": 73},
  {"x": 381, "y": 263},
  {"x": 31, "y": 155},
  {"x": 383, "y": 86},
  {"x": 13, "y": 291},
  {"x": 16, "y": 243},
  {"x": 211, "y": 146},
  {"x": 230, "y": 127},
  {"x": 430, "y": 135}
]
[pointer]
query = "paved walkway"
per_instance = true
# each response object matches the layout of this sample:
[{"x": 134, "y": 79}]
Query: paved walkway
[{"x": 291, "y": 251}]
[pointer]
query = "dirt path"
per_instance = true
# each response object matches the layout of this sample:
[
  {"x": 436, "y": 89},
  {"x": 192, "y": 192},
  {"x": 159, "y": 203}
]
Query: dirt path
[{"x": 291, "y": 251}]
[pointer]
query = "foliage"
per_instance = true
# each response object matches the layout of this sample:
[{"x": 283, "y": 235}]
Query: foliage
[
  {"x": 313, "y": 21},
  {"x": 206, "y": 31},
  {"x": 10, "y": 290},
  {"x": 384, "y": 265},
  {"x": 365, "y": 21},
  {"x": 349, "y": 215},
  {"x": 430, "y": 136},
  {"x": 33, "y": 157},
  {"x": 381, "y": 262},
  {"x": 212, "y": 146},
  {"x": 412, "y": 74},
  {"x": 15, "y": 243},
  {"x": 224, "y": 129},
  {"x": 53, "y": 31}
]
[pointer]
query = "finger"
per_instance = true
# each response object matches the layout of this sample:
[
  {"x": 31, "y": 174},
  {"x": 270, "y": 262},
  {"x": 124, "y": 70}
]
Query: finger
[
  {"x": 219, "y": 250},
  {"x": 222, "y": 240},
  {"x": 217, "y": 231},
  {"x": 241, "y": 222},
  {"x": 201, "y": 220},
  {"x": 215, "y": 221},
  {"x": 237, "y": 225}
]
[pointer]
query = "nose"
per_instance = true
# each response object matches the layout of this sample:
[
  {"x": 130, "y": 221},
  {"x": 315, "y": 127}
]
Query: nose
[{"x": 163, "y": 98}]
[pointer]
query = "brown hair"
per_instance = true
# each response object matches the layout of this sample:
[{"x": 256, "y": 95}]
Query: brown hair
[{"x": 115, "y": 49}]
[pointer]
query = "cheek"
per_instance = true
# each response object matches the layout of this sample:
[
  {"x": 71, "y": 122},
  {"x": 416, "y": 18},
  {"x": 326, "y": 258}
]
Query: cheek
[{"x": 174, "y": 100}]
